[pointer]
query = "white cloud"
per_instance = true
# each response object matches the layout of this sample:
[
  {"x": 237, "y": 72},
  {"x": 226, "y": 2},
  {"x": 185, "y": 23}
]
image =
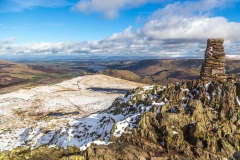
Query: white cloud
[
  {"x": 190, "y": 8},
  {"x": 8, "y": 40},
  {"x": 19, "y": 5},
  {"x": 109, "y": 8},
  {"x": 187, "y": 21},
  {"x": 169, "y": 32},
  {"x": 185, "y": 39},
  {"x": 177, "y": 27}
]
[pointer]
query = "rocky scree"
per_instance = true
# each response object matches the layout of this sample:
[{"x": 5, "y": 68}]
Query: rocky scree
[{"x": 189, "y": 120}]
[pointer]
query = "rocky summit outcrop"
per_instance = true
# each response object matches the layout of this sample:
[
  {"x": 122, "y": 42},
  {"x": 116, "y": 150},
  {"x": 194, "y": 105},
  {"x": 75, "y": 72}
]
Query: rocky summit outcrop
[
  {"x": 213, "y": 67},
  {"x": 189, "y": 120}
]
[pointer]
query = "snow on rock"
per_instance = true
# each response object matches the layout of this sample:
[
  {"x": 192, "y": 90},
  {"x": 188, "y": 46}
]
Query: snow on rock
[
  {"x": 185, "y": 89},
  {"x": 11, "y": 138},
  {"x": 101, "y": 114},
  {"x": 83, "y": 131},
  {"x": 208, "y": 95},
  {"x": 207, "y": 85},
  {"x": 122, "y": 125},
  {"x": 148, "y": 87},
  {"x": 96, "y": 128},
  {"x": 238, "y": 100},
  {"x": 43, "y": 114}
]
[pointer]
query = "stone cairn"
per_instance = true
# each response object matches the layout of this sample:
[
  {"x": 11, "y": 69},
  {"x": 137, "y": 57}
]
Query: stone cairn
[{"x": 213, "y": 68}]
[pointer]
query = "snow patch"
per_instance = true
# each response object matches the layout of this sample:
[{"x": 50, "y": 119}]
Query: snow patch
[
  {"x": 158, "y": 104},
  {"x": 120, "y": 128},
  {"x": 63, "y": 104},
  {"x": 238, "y": 100},
  {"x": 147, "y": 88},
  {"x": 185, "y": 90},
  {"x": 10, "y": 139},
  {"x": 207, "y": 85},
  {"x": 208, "y": 95}
]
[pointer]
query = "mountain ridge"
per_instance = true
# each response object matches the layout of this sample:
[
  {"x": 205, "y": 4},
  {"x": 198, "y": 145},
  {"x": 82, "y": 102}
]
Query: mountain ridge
[{"x": 191, "y": 119}]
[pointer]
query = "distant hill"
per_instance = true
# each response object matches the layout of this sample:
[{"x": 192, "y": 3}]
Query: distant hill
[
  {"x": 233, "y": 67},
  {"x": 158, "y": 71},
  {"x": 15, "y": 73},
  {"x": 150, "y": 67},
  {"x": 123, "y": 74},
  {"x": 14, "y": 76},
  {"x": 17, "y": 68},
  {"x": 147, "y": 71},
  {"x": 169, "y": 71}
]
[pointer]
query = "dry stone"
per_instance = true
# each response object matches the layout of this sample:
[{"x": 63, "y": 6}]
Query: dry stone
[{"x": 213, "y": 67}]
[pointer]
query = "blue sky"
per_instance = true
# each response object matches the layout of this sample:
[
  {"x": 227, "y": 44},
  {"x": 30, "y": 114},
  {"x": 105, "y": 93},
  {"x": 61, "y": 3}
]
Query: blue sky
[{"x": 120, "y": 27}]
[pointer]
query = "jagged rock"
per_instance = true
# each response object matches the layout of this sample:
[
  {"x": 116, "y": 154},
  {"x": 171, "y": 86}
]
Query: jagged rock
[
  {"x": 42, "y": 153},
  {"x": 190, "y": 120},
  {"x": 201, "y": 129},
  {"x": 160, "y": 158}
]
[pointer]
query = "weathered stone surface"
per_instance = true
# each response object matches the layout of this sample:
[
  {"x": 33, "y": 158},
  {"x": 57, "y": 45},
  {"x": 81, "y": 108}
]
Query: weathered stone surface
[
  {"x": 196, "y": 120},
  {"x": 213, "y": 67}
]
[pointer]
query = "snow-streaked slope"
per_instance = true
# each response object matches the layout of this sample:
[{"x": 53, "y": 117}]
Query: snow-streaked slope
[
  {"x": 36, "y": 115},
  {"x": 112, "y": 120},
  {"x": 82, "y": 132},
  {"x": 119, "y": 118}
]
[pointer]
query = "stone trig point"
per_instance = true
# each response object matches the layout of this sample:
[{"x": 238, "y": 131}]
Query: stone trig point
[{"x": 213, "y": 67}]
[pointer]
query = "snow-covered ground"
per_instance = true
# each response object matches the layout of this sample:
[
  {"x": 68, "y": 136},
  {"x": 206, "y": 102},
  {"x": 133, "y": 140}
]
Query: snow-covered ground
[
  {"x": 65, "y": 114},
  {"x": 51, "y": 114}
]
